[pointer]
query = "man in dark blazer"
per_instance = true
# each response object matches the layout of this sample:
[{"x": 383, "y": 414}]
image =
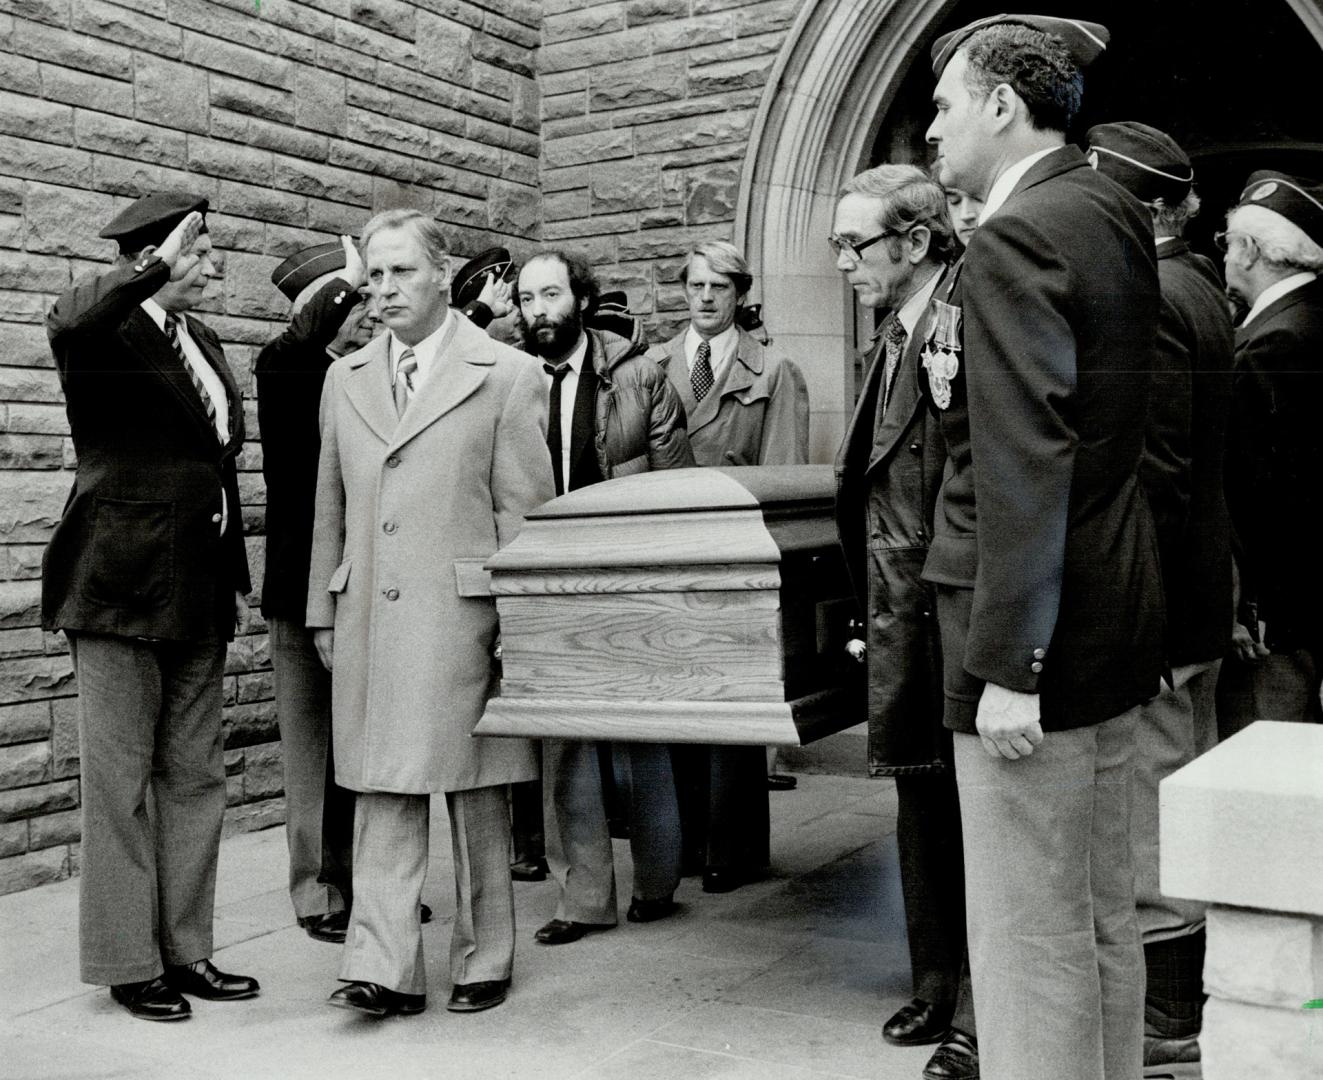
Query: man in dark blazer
[
  {"x": 1274, "y": 253},
  {"x": 146, "y": 575},
  {"x": 1182, "y": 472},
  {"x": 329, "y": 319},
  {"x": 893, "y": 238},
  {"x": 745, "y": 406},
  {"x": 1049, "y": 591}
]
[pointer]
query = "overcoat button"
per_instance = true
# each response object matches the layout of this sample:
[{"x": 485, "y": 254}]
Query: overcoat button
[
  {"x": 215, "y": 519},
  {"x": 389, "y": 527},
  {"x": 1035, "y": 667},
  {"x": 392, "y": 462},
  {"x": 392, "y": 594}
]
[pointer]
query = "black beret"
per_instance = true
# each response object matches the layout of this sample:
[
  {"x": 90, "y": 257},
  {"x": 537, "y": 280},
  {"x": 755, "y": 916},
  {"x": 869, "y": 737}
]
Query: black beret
[
  {"x": 472, "y": 276},
  {"x": 1084, "y": 40},
  {"x": 150, "y": 219},
  {"x": 1299, "y": 201},
  {"x": 305, "y": 266},
  {"x": 1145, "y": 161}
]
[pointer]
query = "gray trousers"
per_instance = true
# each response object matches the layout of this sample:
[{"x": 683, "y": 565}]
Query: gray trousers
[
  {"x": 578, "y": 841},
  {"x": 1054, "y": 950},
  {"x": 153, "y": 800},
  {"x": 1174, "y": 728},
  {"x": 318, "y": 815},
  {"x": 385, "y": 940}
]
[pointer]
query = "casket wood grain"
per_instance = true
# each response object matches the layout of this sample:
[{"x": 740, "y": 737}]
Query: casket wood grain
[{"x": 692, "y": 605}]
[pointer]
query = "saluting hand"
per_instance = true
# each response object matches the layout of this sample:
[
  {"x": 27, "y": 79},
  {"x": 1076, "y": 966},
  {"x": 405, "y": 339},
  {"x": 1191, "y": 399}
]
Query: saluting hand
[
  {"x": 176, "y": 250},
  {"x": 355, "y": 271},
  {"x": 496, "y": 295},
  {"x": 1008, "y": 722}
]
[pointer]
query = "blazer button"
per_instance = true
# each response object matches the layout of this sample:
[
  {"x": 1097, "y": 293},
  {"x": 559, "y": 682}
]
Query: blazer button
[
  {"x": 1035, "y": 667},
  {"x": 392, "y": 462},
  {"x": 215, "y": 519},
  {"x": 1039, "y": 654},
  {"x": 392, "y": 594},
  {"x": 915, "y": 448},
  {"x": 389, "y": 527}
]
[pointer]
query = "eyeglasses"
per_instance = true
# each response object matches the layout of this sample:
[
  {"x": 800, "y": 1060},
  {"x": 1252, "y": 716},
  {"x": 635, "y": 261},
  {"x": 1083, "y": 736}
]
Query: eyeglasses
[
  {"x": 1223, "y": 239},
  {"x": 855, "y": 248}
]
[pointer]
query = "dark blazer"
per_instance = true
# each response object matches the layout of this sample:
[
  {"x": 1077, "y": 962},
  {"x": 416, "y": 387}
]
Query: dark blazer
[
  {"x": 138, "y": 551},
  {"x": 1273, "y": 465},
  {"x": 1184, "y": 451},
  {"x": 1043, "y": 516},
  {"x": 290, "y": 372},
  {"x": 887, "y": 482}
]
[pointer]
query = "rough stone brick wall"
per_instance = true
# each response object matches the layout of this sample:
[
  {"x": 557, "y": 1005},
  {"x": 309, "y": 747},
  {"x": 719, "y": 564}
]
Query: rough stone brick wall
[
  {"x": 297, "y": 120},
  {"x": 647, "y": 107}
]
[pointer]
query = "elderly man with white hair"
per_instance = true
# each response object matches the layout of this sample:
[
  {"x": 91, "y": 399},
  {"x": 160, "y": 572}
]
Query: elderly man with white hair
[{"x": 1274, "y": 253}]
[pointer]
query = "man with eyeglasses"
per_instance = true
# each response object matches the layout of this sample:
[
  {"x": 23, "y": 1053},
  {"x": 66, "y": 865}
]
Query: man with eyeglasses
[
  {"x": 893, "y": 239},
  {"x": 1274, "y": 253},
  {"x": 1049, "y": 595}
]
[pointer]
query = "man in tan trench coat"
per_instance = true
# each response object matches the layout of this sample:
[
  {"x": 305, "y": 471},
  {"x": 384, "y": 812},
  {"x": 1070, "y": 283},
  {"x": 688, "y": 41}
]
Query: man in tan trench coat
[{"x": 433, "y": 450}]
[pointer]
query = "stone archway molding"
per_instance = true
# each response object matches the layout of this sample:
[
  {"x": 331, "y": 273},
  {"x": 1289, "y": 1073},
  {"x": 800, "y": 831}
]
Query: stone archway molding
[{"x": 842, "y": 62}]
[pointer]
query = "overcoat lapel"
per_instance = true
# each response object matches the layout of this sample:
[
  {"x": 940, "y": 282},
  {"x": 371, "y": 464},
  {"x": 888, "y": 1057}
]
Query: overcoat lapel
[
  {"x": 368, "y": 387},
  {"x": 678, "y": 372},
  {"x": 744, "y": 367},
  {"x": 458, "y": 373}
]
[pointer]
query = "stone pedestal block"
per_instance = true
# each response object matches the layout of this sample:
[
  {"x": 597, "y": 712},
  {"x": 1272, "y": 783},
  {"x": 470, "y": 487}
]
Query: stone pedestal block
[
  {"x": 1249, "y": 1042},
  {"x": 1264, "y": 959}
]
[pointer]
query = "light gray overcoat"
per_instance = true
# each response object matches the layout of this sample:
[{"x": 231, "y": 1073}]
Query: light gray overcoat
[{"x": 399, "y": 501}]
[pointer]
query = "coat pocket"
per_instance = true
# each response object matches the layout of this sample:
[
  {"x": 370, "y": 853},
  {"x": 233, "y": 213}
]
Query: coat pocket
[
  {"x": 131, "y": 557},
  {"x": 340, "y": 579}
]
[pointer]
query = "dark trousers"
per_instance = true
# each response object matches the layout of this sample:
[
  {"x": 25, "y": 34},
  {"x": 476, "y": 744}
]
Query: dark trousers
[
  {"x": 1281, "y": 686},
  {"x": 932, "y": 881},
  {"x": 723, "y": 806},
  {"x": 153, "y": 795}
]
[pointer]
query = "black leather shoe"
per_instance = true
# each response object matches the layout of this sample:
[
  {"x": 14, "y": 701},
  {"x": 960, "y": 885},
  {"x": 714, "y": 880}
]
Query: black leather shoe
[
  {"x": 474, "y": 997},
  {"x": 203, "y": 979},
  {"x": 376, "y": 1000},
  {"x": 151, "y": 1000},
  {"x": 562, "y": 932},
  {"x": 781, "y": 782},
  {"x": 1172, "y": 1059},
  {"x": 529, "y": 870},
  {"x": 724, "y": 879},
  {"x": 916, "y": 1024},
  {"x": 331, "y": 926},
  {"x": 955, "y": 1059},
  {"x": 650, "y": 910}
]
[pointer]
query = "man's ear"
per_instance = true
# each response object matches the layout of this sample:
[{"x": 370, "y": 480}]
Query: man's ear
[
  {"x": 920, "y": 237},
  {"x": 1005, "y": 104}
]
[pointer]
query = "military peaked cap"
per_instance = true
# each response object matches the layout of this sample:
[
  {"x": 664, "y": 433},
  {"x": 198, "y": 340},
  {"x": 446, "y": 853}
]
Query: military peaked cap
[
  {"x": 149, "y": 220},
  {"x": 1145, "y": 161},
  {"x": 306, "y": 265},
  {"x": 1086, "y": 41},
  {"x": 1299, "y": 201},
  {"x": 472, "y": 276}
]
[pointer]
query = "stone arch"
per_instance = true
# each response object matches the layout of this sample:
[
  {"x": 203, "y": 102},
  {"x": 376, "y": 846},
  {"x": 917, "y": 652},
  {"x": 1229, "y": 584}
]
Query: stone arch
[{"x": 825, "y": 100}]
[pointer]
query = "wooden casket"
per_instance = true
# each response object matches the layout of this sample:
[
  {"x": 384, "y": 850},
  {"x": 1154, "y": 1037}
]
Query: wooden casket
[{"x": 691, "y": 605}]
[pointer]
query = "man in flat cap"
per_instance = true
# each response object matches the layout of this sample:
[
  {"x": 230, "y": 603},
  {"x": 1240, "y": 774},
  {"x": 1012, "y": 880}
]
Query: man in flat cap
[
  {"x": 433, "y": 449},
  {"x": 146, "y": 574},
  {"x": 1182, "y": 473},
  {"x": 1274, "y": 254},
  {"x": 1048, "y": 587},
  {"x": 329, "y": 319},
  {"x": 893, "y": 241}
]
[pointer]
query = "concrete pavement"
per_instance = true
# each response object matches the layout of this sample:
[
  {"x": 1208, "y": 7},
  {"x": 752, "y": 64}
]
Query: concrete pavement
[{"x": 790, "y": 977}]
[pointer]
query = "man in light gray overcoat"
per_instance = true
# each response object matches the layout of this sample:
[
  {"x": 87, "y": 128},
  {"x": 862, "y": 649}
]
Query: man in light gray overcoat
[{"x": 433, "y": 450}]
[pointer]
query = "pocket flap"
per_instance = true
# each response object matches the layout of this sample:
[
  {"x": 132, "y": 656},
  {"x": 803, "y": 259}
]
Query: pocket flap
[
  {"x": 340, "y": 578},
  {"x": 471, "y": 579}
]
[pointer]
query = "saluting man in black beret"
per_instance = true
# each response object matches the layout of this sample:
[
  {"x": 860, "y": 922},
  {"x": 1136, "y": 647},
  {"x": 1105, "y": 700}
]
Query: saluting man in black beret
[
  {"x": 1049, "y": 595},
  {"x": 146, "y": 575},
  {"x": 1274, "y": 255}
]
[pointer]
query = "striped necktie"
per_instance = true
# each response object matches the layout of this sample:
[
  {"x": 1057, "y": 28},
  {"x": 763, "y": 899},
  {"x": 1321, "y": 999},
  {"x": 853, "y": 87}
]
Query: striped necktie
[
  {"x": 894, "y": 348},
  {"x": 208, "y": 406},
  {"x": 701, "y": 376},
  {"x": 404, "y": 372}
]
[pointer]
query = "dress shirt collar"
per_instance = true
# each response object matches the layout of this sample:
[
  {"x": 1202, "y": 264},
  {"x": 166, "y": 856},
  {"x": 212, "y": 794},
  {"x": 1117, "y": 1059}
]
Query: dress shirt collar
[
  {"x": 1004, "y": 184},
  {"x": 724, "y": 345},
  {"x": 911, "y": 311},
  {"x": 1158, "y": 241},
  {"x": 1276, "y": 292},
  {"x": 159, "y": 314},
  {"x": 426, "y": 352}
]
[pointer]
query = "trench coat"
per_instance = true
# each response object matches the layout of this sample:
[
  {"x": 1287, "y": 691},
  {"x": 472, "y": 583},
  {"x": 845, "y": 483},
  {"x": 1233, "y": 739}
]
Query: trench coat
[
  {"x": 399, "y": 502},
  {"x": 756, "y": 414}
]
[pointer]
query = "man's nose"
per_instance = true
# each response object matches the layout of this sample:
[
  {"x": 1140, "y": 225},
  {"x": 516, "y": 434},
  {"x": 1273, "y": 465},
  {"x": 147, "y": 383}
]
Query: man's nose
[
  {"x": 843, "y": 261},
  {"x": 707, "y": 294},
  {"x": 931, "y": 134}
]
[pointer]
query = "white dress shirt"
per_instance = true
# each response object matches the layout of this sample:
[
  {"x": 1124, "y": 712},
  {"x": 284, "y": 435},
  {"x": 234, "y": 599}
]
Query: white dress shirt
[
  {"x": 1276, "y": 292},
  {"x": 426, "y": 352},
  {"x": 1004, "y": 184},
  {"x": 723, "y": 348},
  {"x": 211, "y": 383},
  {"x": 569, "y": 389},
  {"x": 911, "y": 311}
]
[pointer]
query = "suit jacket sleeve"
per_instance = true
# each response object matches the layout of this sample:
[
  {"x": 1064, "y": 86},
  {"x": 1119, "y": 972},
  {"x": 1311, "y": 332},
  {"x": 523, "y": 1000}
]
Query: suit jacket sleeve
[
  {"x": 311, "y": 330},
  {"x": 668, "y": 437},
  {"x": 328, "y": 525},
  {"x": 1166, "y": 465},
  {"x": 786, "y": 421},
  {"x": 1021, "y": 377},
  {"x": 98, "y": 304},
  {"x": 521, "y": 478}
]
